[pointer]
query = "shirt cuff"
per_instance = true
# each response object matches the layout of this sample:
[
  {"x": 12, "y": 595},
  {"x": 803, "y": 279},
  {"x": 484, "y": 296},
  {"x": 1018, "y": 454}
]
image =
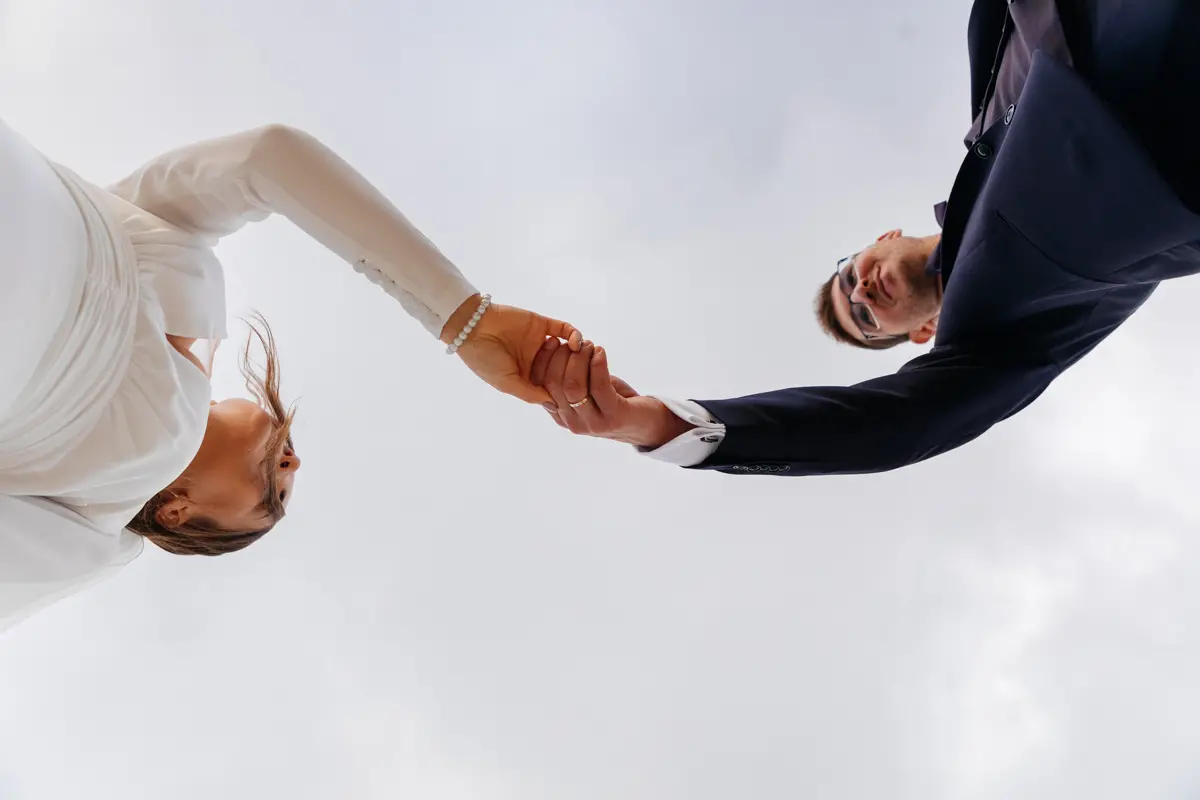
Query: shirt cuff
[
  {"x": 446, "y": 298},
  {"x": 695, "y": 445}
]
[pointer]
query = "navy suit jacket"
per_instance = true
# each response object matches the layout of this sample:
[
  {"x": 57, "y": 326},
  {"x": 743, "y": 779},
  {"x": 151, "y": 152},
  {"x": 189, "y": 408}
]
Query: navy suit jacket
[{"x": 1059, "y": 226}]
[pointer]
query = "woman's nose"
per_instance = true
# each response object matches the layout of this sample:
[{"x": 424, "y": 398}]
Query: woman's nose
[{"x": 289, "y": 462}]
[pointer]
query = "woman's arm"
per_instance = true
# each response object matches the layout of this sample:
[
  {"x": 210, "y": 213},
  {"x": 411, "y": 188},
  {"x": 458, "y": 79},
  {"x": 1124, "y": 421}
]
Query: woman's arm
[{"x": 213, "y": 188}]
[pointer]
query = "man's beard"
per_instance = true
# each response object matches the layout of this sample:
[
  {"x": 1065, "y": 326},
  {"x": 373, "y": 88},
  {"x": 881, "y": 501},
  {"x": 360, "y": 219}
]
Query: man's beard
[{"x": 926, "y": 292}]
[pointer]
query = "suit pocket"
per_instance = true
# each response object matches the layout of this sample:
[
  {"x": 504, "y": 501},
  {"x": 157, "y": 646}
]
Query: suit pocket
[
  {"x": 1002, "y": 282},
  {"x": 1174, "y": 262}
]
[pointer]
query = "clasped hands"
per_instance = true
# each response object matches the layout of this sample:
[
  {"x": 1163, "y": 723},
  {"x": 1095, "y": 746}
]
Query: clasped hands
[
  {"x": 587, "y": 399},
  {"x": 542, "y": 360}
]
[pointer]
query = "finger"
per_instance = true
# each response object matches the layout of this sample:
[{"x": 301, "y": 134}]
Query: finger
[
  {"x": 554, "y": 415},
  {"x": 623, "y": 388},
  {"x": 587, "y": 417},
  {"x": 555, "y": 374},
  {"x": 575, "y": 379},
  {"x": 541, "y": 361},
  {"x": 604, "y": 395},
  {"x": 564, "y": 330}
]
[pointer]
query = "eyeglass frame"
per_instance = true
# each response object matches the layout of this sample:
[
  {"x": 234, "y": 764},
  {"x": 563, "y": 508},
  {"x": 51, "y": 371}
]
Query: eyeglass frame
[{"x": 848, "y": 290}]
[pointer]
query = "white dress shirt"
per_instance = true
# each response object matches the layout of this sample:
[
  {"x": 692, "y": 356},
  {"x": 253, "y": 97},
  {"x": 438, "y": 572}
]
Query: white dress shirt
[{"x": 695, "y": 445}]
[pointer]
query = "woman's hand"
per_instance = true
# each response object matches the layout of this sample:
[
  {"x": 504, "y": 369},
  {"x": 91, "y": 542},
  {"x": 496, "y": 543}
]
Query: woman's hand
[{"x": 504, "y": 343}]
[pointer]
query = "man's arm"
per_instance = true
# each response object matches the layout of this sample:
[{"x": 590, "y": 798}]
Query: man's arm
[
  {"x": 699, "y": 436},
  {"x": 935, "y": 403}
]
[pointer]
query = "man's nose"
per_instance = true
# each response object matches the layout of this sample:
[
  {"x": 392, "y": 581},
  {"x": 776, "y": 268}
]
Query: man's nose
[{"x": 864, "y": 291}]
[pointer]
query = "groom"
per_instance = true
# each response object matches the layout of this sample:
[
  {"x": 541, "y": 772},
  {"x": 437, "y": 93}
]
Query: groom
[{"x": 1077, "y": 196}]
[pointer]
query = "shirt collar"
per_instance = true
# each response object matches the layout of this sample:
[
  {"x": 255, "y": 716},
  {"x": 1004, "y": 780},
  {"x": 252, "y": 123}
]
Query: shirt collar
[{"x": 934, "y": 265}]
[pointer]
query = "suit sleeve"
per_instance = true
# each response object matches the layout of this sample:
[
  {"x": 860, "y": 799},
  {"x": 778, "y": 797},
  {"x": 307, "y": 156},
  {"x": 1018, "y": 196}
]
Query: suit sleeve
[{"x": 933, "y": 404}]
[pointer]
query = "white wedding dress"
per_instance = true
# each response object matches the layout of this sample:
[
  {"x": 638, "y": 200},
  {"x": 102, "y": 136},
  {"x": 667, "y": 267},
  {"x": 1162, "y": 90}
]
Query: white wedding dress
[{"x": 98, "y": 412}]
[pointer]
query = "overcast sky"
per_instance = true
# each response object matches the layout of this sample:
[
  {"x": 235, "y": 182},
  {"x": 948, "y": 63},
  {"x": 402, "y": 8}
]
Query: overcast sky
[{"x": 466, "y": 603}]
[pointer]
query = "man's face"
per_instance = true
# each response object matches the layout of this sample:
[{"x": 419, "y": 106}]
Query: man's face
[{"x": 890, "y": 293}]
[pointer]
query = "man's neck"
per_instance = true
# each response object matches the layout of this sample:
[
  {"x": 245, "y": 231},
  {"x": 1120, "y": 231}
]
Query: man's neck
[{"x": 929, "y": 247}]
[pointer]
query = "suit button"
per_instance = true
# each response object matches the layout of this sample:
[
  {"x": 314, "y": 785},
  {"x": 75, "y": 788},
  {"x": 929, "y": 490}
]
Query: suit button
[
  {"x": 1008, "y": 115},
  {"x": 983, "y": 150}
]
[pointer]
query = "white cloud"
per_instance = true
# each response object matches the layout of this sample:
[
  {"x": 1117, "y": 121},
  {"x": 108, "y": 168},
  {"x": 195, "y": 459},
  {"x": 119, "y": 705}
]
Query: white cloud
[{"x": 467, "y": 603}]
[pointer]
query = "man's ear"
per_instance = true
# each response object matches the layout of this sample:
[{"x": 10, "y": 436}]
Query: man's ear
[
  {"x": 924, "y": 333},
  {"x": 892, "y": 234},
  {"x": 176, "y": 512}
]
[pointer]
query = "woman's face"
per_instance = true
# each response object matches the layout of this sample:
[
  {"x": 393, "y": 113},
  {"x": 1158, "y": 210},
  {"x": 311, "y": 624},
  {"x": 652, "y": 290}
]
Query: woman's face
[{"x": 228, "y": 481}]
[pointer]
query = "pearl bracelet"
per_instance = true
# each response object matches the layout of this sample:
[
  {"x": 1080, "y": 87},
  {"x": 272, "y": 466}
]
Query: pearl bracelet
[{"x": 484, "y": 302}]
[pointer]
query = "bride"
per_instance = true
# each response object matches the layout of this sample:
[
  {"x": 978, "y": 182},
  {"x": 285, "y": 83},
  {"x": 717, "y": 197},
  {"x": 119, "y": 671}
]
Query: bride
[{"x": 109, "y": 435}]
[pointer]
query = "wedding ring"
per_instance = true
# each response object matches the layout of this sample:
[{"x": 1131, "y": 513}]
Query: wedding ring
[{"x": 581, "y": 402}]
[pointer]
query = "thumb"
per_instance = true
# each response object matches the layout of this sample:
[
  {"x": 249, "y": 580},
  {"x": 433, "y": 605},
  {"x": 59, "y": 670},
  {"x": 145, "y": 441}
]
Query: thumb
[
  {"x": 623, "y": 388},
  {"x": 563, "y": 330}
]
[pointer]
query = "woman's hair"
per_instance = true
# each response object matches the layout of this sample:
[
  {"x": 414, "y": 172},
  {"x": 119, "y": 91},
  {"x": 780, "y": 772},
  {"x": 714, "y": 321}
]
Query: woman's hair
[{"x": 199, "y": 536}]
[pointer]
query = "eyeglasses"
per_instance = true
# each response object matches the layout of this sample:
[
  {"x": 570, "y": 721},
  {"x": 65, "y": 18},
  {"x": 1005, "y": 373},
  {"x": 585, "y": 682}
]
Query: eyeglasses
[{"x": 864, "y": 318}]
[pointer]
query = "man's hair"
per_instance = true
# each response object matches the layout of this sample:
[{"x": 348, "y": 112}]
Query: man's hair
[{"x": 827, "y": 318}]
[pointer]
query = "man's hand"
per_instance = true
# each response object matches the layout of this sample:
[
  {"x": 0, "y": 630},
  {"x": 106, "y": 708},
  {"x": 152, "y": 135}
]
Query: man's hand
[
  {"x": 588, "y": 400},
  {"x": 502, "y": 347}
]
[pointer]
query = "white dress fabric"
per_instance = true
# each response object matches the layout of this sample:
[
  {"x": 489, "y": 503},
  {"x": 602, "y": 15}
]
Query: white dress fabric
[{"x": 98, "y": 412}]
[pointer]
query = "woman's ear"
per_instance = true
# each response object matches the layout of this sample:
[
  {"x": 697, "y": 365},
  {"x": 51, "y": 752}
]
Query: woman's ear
[{"x": 176, "y": 512}]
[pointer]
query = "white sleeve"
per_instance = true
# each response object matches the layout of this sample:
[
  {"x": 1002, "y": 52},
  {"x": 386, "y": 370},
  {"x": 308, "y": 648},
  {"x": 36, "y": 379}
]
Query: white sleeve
[
  {"x": 213, "y": 188},
  {"x": 695, "y": 445},
  {"x": 48, "y": 552}
]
